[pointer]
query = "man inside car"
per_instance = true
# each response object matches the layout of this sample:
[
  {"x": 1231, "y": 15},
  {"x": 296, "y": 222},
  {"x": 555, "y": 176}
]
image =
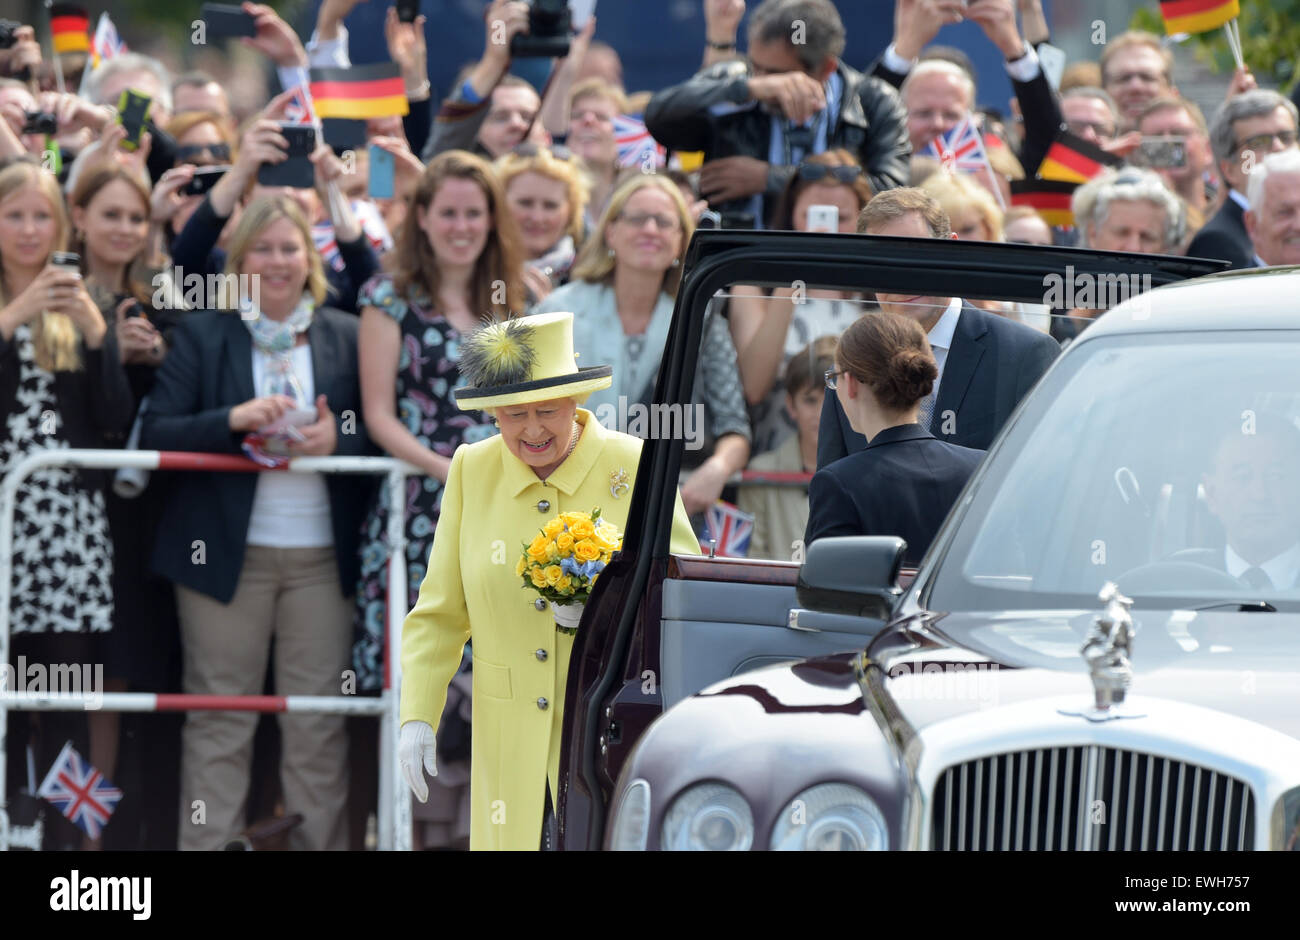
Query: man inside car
[
  {"x": 986, "y": 362},
  {"x": 1252, "y": 487}
]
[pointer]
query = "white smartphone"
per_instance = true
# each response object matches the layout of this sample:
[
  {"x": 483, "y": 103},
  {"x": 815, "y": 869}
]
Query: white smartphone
[
  {"x": 823, "y": 219},
  {"x": 288, "y": 423}
]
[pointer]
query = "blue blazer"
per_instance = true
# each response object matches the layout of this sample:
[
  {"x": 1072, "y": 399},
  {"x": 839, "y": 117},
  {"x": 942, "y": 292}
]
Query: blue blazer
[
  {"x": 993, "y": 362},
  {"x": 209, "y": 370},
  {"x": 903, "y": 483},
  {"x": 1225, "y": 236}
]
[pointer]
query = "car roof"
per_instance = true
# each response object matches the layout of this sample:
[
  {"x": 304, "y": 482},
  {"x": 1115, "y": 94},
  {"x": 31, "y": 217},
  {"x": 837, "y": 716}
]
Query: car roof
[{"x": 1249, "y": 299}]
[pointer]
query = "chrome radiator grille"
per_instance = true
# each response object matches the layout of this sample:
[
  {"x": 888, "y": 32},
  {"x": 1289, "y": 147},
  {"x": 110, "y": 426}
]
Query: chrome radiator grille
[{"x": 1089, "y": 798}]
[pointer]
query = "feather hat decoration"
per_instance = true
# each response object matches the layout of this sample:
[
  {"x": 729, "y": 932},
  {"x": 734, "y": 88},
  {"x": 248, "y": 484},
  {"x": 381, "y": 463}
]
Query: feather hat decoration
[
  {"x": 523, "y": 360},
  {"x": 498, "y": 354}
]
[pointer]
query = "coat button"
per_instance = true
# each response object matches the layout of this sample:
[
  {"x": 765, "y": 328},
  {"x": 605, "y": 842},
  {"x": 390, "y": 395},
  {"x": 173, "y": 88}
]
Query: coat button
[
  {"x": 543, "y": 704},
  {"x": 540, "y": 603},
  {"x": 543, "y": 505},
  {"x": 541, "y": 655}
]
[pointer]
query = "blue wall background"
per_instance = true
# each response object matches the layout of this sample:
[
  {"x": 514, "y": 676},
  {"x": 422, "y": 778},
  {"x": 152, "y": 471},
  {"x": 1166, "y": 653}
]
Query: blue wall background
[{"x": 661, "y": 41}]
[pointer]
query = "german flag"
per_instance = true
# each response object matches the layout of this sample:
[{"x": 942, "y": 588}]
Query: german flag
[
  {"x": 1197, "y": 16},
  {"x": 69, "y": 28},
  {"x": 1049, "y": 198},
  {"x": 366, "y": 91},
  {"x": 1074, "y": 160}
]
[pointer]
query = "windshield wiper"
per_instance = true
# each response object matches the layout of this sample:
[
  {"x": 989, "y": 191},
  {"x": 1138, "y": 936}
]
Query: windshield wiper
[{"x": 1245, "y": 607}]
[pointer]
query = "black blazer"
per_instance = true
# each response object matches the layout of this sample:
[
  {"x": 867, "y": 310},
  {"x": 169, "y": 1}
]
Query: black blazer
[
  {"x": 993, "y": 362},
  {"x": 1225, "y": 236},
  {"x": 209, "y": 370},
  {"x": 903, "y": 483}
]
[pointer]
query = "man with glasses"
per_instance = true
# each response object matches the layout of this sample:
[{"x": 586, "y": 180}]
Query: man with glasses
[
  {"x": 1176, "y": 144},
  {"x": 756, "y": 120},
  {"x": 1136, "y": 68},
  {"x": 1245, "y": 129}
]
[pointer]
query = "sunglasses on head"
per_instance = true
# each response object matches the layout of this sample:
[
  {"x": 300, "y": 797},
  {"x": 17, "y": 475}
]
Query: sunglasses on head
[
  {"x": 811, "y": 172},
  {"x": 530, "y": 149},
  {"x": 219, "y": 152}
]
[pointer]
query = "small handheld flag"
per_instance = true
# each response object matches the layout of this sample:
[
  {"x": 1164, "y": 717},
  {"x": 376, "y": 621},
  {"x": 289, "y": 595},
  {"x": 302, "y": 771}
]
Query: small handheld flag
[
  {"x": 1197, "y": 16},
  {"x": 362, "y": 92},
  {"x": 729, "y": 528},
  {"x": 1049, "y": 198},
  {"x": 961, "y": 149},
  {"x": 106, "y": 42},
  {"x": 634, "y": 143},
  {"x": 1075, "y": 160},
  {"x": 80, "y": 792},
  {"x": 69, "y": 28}
]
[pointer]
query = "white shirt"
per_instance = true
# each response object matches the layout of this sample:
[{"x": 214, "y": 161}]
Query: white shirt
[
  {"x": 290, "y": 510},
  {"x": 1283, "y": 570},
  {"x": 1239, "y": 199},
  {"x": 941, "y": 335}
]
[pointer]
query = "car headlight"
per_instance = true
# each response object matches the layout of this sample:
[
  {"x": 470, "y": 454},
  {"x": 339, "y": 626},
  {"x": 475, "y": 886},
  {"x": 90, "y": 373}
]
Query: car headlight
[
  {"x": 631, "y": 826},
  {"x": 709, "y": 817},
  {"x": 1286, "y": 822},
  {"x": 831, "y": 817}
]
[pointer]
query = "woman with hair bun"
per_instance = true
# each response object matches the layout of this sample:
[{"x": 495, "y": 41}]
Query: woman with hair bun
[{"x": 906, "y": 480}]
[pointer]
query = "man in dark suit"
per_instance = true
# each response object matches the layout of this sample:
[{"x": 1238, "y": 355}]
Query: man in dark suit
[
  {"x": 986, "y": 363},
  {"x": 1252, "y": 487},
  {"x": 1245, "y": 129}
]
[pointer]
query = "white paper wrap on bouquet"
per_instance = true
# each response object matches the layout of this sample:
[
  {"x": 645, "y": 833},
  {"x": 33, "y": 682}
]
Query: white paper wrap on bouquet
[{"x": 567, "y": 615}]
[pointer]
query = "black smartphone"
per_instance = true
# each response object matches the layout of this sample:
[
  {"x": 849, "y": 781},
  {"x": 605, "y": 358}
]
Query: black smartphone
[
  {"x": 407, "y": 10},
  {"x": 205, "y": 177},
  {"x": 226, "y": 21},
  {"x": 132, "y": 110},
  {"x": 41, "y": 122},
  {"x": 135, "y": 310},
  {"x": 297, "y": 171}
]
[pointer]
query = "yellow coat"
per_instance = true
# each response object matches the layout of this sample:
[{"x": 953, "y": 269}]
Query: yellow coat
[{"x": 471, "y": 591}]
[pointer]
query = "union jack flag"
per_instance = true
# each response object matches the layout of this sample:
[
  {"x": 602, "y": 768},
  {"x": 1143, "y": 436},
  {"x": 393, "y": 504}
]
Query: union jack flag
[
  {"x": 730, "y": 528},
  {"x": 322, "y": 234},
  {"x": 298, "y": 110},
  {"x": 634, "y": 142},
  {"x": 80, "y": 792},
  {"x": 962, "y": 148},
  {"x": 106, "y": 43}
]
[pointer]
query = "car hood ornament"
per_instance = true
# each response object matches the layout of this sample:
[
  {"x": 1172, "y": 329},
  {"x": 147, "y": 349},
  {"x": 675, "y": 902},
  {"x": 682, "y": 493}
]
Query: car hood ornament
[{"x": 1107, "y": 650}]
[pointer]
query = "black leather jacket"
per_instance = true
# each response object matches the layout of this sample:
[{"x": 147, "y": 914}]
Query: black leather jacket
[{"x": 871, "y": 124}]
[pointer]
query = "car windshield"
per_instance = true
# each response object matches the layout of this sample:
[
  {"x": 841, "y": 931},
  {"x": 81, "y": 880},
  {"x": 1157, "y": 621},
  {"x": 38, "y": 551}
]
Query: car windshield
[{"x": 1167, "y": 463}]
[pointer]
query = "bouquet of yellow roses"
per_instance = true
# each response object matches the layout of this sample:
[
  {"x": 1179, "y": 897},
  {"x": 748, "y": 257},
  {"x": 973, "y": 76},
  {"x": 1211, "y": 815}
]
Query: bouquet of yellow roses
[{"x": 564, "y": 560}]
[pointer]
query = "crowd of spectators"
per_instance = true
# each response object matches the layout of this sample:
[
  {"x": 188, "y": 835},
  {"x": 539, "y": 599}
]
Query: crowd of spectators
[{"x": 507, "y": 200}]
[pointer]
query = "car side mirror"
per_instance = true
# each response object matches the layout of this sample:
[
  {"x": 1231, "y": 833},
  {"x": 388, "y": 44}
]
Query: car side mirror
[{"x": 855, "y": 575}]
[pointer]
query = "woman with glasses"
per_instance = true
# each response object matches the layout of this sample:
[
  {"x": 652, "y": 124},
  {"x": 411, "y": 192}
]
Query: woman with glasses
[
  {"x": 905, "y": 481},
  {"x": 770, "y": 328},
  {"x": 624, "y": 283},
  {"x": 203, "y": 139},
  {"x": 546, "y": 192}
]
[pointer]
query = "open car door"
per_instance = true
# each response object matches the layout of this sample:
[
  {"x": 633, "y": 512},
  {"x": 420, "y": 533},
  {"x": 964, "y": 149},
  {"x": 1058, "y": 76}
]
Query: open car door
[{"x": 660, "y": 627}]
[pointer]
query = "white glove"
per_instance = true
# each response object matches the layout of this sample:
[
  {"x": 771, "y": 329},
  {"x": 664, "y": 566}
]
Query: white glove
[{"x": 416, "y": 747}]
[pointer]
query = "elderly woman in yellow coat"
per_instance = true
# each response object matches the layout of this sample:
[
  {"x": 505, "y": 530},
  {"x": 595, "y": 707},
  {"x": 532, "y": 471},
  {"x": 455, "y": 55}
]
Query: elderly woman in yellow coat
[{"x": 550, "y": 457}]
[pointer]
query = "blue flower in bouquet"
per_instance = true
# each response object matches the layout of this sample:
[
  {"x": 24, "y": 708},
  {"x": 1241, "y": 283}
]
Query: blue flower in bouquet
[{"x": 587, "y": 569}]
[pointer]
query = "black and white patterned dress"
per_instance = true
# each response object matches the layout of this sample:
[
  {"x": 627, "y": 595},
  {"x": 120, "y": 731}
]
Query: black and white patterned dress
[{"x": 62, "y": 556}]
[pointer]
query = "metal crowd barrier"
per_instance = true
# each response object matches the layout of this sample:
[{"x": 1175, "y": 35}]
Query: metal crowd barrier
[{"x": 394, "y": 801}]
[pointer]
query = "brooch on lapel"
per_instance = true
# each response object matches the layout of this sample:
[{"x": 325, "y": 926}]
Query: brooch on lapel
[{"x": 618, "y": 484}]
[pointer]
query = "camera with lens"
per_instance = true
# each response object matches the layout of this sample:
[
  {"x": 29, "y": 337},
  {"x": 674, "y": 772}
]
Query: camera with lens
[
  {"x": 549, "y": 26},
  {"x": 7, "y": 30},
  {"x": 41, "y": 122}
]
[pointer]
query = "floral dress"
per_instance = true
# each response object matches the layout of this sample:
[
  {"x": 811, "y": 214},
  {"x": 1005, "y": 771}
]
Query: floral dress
[
  {"x": 427, "y": 373},
  {"x": 62, "y": 555}
]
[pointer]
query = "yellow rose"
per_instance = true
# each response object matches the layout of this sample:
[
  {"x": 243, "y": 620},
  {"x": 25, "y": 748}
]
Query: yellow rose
[
  {"x": 552, "y": 552},
  {"x": 521, "y": 567},
  {"x": 586, "y": 550},
  {"x": 539, "y": 578},
  {"x": 582, "y": 529},
  {"x": 564, "y": 542},
  {"x": 537, "y": 549},
  {"x": 553, "y": 528},
  {"x": 564, "y": 585},
  {"x": 606, "y": 557},
  {"x": 553, "y": 574},
  {"x": 607, "y": 538},
  {"x": 570, "y": 518}
]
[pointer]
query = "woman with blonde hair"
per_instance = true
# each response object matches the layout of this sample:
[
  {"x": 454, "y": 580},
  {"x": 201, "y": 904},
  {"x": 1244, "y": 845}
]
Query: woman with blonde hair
[
  {"x": 546, "y": 192},
  {"x": 62, "y": 385},
  {"x": 974, "y": 213},
  {"x": 263, "y": 557},
  {"x": 621, "y": 293}
]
